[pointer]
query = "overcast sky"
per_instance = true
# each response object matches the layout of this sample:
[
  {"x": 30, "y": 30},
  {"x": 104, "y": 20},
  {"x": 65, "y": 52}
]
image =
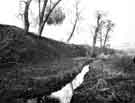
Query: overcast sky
[{"x": 121, "y": 12}]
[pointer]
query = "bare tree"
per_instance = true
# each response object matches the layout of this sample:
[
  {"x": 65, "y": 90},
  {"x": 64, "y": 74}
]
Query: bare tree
[
  {"x": 100, "y": 35},
  {"x": 42, "y": 17},
  {"x": 99, "y": 24},
  {"x": 77, "y": 18},
  {"x": 101, "y": 32},
  {"x": 109, "y": 27},
  {"x": 44, "y": 13}
]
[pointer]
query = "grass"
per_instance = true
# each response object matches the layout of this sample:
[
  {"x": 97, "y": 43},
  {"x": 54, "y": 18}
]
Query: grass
[{"x": 108, "y": 81}]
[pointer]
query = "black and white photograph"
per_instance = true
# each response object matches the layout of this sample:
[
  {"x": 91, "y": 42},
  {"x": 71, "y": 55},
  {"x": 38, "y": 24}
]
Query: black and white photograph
[{"x": 67, "y": 51}]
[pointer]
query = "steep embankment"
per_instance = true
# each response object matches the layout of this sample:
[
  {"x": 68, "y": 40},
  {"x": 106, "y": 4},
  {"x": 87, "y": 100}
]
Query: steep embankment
[
  {"x": 16, "y": 46},
  {"x": 33, "y": 66}
]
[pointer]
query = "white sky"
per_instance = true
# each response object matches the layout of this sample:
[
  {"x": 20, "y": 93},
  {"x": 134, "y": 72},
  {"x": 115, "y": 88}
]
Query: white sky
[{"x": 121, "y": 12}]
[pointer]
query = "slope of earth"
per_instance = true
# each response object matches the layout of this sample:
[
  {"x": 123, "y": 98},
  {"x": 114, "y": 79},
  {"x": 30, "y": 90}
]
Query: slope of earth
[
  {"x": 18, "y": 47},
  {"x": 32, "y": 66},
  {"x": 108, "y": 81}
]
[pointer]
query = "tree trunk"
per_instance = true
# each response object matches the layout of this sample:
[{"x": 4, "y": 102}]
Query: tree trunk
[
  {"x": 41, "y": 15},
  {"x": 39, "y": 9},
  {"x": 95, "y": 35},
  {"x": 94, "y": 43},
  {"x": 26, "y": 16},
  {"x": 106, "y": 36},
  {"x": 101, "y": 40}
]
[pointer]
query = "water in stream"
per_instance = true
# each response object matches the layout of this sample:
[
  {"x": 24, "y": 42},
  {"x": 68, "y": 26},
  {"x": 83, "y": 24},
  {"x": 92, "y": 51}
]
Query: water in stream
[{"x": 66, "y": 93}]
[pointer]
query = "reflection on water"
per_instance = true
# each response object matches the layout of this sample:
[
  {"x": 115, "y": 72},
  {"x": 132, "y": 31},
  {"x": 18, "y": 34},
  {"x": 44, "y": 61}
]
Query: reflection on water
[{"x": 65, "y": 94}]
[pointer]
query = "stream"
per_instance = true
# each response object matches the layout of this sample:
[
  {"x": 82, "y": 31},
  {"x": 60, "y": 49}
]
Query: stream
[{"x": 66, "y": 93}]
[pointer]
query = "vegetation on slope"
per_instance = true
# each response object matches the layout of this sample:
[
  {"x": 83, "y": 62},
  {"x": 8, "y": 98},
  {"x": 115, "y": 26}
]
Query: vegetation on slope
[
  {"x": 16, "y": 46},
  {"x": 33, "y": 66}
]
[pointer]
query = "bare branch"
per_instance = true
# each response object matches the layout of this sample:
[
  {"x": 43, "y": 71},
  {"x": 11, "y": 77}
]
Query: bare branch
[
  {"x": 109, "y": 27},
  {"x": 39, "y": 8},
  {"x": 42, "y": 12},
  {"x": 47, "y": 16},
  {"x": 77, "y": 18},
  {"x": 97, "y": 29},
  {"x": 74, "y": 26}
]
